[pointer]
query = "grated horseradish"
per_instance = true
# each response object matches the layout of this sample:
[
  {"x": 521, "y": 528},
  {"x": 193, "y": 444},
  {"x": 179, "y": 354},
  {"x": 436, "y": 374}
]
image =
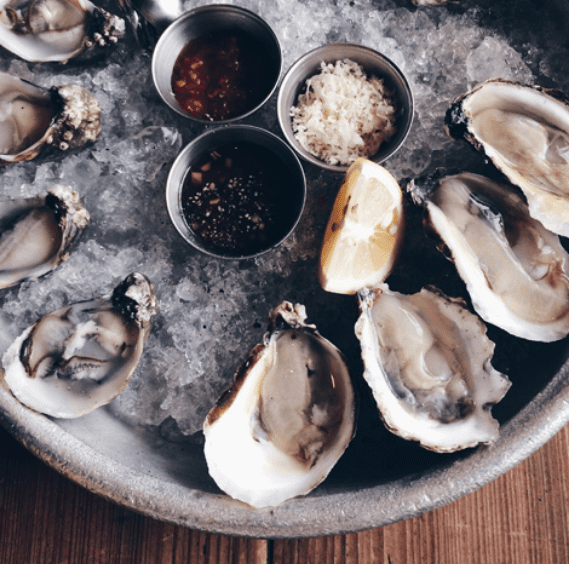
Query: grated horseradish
[{"x": 344, "y": 114}]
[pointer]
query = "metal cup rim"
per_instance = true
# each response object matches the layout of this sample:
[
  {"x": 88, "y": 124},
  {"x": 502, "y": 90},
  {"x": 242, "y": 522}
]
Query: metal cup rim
[
  {"x": 309, "y": 63},
  {"x": 162, "y": 51},
  {"x": 218, "y": 136}
]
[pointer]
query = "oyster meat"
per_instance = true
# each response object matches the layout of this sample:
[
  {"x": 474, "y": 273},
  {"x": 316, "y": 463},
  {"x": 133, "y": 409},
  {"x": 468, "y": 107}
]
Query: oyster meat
[
  {"x": 524, "y": 131},
  {"x": 36, "y": 233},
  {"x": 427, "y": 360},
  {"x": 33, "y": 118},
  {"x": 287, "y": 419},
  {"x": 82, "y": 356},
  {"x": 516, "y": 271},
  {"x": 55, "y": 30}
]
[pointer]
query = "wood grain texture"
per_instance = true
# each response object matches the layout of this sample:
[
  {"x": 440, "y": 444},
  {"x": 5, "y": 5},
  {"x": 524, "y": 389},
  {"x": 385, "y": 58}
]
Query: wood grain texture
[{"x": 520, "y": 518}]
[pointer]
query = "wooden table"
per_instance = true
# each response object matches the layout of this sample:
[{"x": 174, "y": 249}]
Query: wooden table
[{"x": 519, "y": 518}]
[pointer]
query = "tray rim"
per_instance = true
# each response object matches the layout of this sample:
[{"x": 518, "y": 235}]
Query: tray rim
[{"x": 309, "y": 516}]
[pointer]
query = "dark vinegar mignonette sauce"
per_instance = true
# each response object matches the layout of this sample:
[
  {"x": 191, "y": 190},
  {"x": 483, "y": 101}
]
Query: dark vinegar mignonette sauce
[
  {"x": 237, "y": 199},
  {"x": 221, "y": 75}
]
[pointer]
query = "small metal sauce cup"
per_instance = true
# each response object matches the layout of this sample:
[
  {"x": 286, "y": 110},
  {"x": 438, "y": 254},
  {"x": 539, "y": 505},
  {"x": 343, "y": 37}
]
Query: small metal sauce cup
[
  {"x": 199, "y": 22},
  {"x": 208, "y": 142},
  {"x": 373, "y": 63}
]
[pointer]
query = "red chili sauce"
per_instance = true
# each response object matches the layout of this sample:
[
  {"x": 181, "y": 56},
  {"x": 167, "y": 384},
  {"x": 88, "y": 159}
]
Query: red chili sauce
[
  {"x": 237, "y": 199},
  {"x": 221, "y": 75}
]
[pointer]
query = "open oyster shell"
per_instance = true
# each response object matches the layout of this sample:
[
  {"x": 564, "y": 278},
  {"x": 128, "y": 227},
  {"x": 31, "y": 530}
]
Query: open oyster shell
[
  {"x": 55, "y": 30},
  {"x": 36, "y": 233},
  {"x": 82, "y": 356},
  {"x": 427, "y": 362},
  {"x": 524, "y": 130},
  {"x": 516, "y": 271},
  {"x": 287, "y": 419},
  {"x": 34, "y": 118}
]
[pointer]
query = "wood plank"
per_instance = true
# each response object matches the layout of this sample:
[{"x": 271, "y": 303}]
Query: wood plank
[
  {"x": 47, "y": 519},
  {"x": 519, "y": 518}
]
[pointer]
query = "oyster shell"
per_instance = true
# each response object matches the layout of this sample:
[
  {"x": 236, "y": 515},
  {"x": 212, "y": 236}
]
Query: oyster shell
[
  {"x": 516, "y": 271},
  {"x": 427, "y": 362},
  {"x": 36, "y": 233},
  {"x": 55, "y": 30},
  {"x": 34, "y": 118},
  {"x": 82, "y": 356},
  {"x": 524, "y": 130},
  {"x": 287, "y": 419}
]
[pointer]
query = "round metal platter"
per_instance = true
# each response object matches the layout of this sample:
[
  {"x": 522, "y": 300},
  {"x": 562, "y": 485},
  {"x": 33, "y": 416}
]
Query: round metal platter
[{"x": 381, "y": 478}]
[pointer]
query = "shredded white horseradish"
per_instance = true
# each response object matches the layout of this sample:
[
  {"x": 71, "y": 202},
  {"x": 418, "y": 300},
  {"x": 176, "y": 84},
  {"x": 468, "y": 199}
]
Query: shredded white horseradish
[{"x": 343, "y": 114}]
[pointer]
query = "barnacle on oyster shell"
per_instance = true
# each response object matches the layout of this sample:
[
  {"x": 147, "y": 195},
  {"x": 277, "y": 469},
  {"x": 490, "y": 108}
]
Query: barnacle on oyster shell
[
  {"x": 287, "y": 419},
  {"x": 427, "y": 360},
  {"x": 524, "y": 131},
  {"x": 516, "y": 271},
  {"x": 73, "y": 360},
  {"x": 55, "y": 30},
  {"x": 36, "y": 233},
  {"x": 34, "y": 118}
]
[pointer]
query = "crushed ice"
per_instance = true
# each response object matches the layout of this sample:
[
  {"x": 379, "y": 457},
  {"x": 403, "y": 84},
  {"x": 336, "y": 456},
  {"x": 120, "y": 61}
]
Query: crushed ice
[{"x": 213, "y": 312}]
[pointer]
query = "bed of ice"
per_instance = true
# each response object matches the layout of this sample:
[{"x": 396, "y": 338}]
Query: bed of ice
[{"x": 212, "y": 312}]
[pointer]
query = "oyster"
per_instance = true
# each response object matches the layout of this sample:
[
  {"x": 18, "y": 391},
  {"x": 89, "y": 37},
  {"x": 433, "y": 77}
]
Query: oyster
[
  {"x": 427, "y": 362},
  {"x": 55, "y": 30},
  {"x": 33, "y": 118},
  {"x": 287, "y": 419},
  {"x": 516, "y": 271},
  {"x": 524, "y": 130},
  {"x": 36, "y": 233},
  {"x": 82, "y": 356}
]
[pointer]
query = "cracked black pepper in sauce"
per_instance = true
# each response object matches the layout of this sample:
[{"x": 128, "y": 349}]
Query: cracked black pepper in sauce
[
  {"x": 221, "y": 75},
  {"x": 237, "y": 199}
]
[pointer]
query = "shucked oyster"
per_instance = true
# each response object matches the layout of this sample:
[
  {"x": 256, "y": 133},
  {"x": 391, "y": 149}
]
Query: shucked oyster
[
  {"x": 82, "y": 356},
  {"x": 55, "y": 30},
  {"x": 287, "y": 419},
  {"x": 524, "y": 130},
  {"x": 36, "y": 233},
  {"x": 427, "y": 362},
  {"x": 34, "y": 118},
  {"x": 516, "y": 271}
]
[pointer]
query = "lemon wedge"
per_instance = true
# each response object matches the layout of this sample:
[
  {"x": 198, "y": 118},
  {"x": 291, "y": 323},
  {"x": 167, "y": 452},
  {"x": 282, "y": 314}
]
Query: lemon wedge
[{"x": 364, "y": 232}]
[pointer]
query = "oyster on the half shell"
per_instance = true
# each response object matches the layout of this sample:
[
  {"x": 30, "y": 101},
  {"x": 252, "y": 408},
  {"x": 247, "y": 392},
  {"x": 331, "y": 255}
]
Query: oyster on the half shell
[
  {"x": 73, "y": 360},
  {"x": 427, "y": 360},
  {"x": 34, "y": 118},
  {"x": 524, "y": 130},
  {"x": 36, "y": 233},
  {"x": 516, "y": 271},
  {"x": 55, "y": 30},
  {"x": 287, "y": 419}
]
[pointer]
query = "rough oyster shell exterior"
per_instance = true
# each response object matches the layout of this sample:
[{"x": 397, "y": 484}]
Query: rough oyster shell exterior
[
  {"x": 36, "y": 233},
  {"x": 56, "y": 30},
  {"x": 68, "y": 117}
]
